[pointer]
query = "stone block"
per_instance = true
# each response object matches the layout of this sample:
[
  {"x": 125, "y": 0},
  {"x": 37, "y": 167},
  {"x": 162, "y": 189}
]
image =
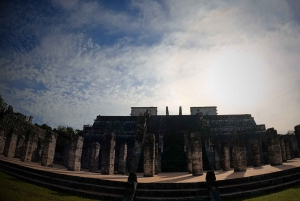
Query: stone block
[
  {"x": 10, "y": 145},
  {"x": 274, "y": 150},
  {"x": 94, "y": 156},
  {"x": 255, "y": 153},
  {"x": 149, "y": 155},
  {"x": 225, "y": 157},
  {"x": 49, "y": 149},
  {"x": 283, "y": 150},
  {"x": 122, "y": 158},
  {"x": 239, "y": 152},
  {"x": 75, "y": 151},
  {"x": 108, "y": 155},
  {"x": 196, "y": 154},
  {"x": 2, "y": 141},
  {"x": 217, "y": 149}
]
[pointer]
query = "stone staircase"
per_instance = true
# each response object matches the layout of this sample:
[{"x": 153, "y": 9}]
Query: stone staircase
[{"x": 114, "y": 190}]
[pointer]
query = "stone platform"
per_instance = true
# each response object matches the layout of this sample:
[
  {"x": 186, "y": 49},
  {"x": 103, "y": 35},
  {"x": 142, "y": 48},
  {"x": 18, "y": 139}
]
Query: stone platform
[
  {"x": 164, "y": 186},
  {"x": 170, "y": 177}
]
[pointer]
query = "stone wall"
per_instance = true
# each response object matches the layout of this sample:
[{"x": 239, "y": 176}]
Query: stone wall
[
  {"x": 75, "y": 151},
  {"x": 94, "y": 157},
  {"x": 196, "y": 154},
  {"x": 239, "y": 152},
  {"x": 274, "y": 150},
  {"x": 149, "y": 155},
  {"x": 49, "y": 149},
  {"x": 108, "y": 154}
]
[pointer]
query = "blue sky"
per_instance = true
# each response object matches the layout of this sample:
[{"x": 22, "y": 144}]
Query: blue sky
[{"x": 65, "y": 62}]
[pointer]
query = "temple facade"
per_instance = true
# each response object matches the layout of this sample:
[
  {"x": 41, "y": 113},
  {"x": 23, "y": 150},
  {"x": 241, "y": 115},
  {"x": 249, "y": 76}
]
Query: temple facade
[{"x": 151, "y": 143}]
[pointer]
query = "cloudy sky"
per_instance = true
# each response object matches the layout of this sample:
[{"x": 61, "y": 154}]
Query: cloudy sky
[{"x": 66, "y": 61}]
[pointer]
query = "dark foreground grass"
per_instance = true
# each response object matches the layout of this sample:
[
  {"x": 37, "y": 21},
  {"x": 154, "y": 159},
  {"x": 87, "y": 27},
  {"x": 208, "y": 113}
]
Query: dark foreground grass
[{"x": 13, "y": 189}]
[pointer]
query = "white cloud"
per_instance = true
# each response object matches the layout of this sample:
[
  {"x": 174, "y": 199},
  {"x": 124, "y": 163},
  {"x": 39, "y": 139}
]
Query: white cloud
[{"x": 238, "y": 56}]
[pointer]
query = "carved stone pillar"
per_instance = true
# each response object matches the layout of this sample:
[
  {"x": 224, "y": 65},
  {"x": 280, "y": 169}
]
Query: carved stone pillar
[
  {"x": 297, "y": 135},
  {"x": 86, "y": 155},
  {"x": 288, "y": 151},
  {"x": 108, "y": 154},
  {"x": 130, "y": 160},
  {"x": 239, "y": 152},
  {"x": 274, "y": 150},
  {"x": 196, "y": 154},
  {"x": 217, "y": 157},
  {"x": 49, "y": 149},
  {"x": 75, "y": 151},
  {"x": 283, "y": 150},
  {"x": 158, "y": 162},
  {"x": 255, "y": 153},
  {"x": 122, "y": 158},
  {"x": 94, "y": 156},
  {"x": 149, "y": 155},
  {"x": 226, "y": 157},
  {"x": 188, "y": 152},
  {"x": 157, "y": 159},
  {"x": 10, "y": 145},
  {"x": 2, "y": 141}
]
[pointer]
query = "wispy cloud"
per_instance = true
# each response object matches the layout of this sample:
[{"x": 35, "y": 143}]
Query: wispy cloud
[{"x": 69, "y": 61}]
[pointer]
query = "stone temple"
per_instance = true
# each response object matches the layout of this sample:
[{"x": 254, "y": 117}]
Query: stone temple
[{"x": 150, "y": 143}]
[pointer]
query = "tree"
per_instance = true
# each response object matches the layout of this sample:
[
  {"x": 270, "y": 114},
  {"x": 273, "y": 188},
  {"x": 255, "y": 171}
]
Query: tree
[
  {"x": 44, "y": 126},
  {"x": 2, "y": 104},
  {"x": 65, "y": 135},
  {"x": 290, "y": 132}
]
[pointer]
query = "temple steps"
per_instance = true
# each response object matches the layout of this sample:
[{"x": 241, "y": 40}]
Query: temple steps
[{"x": 114, "y": 190}]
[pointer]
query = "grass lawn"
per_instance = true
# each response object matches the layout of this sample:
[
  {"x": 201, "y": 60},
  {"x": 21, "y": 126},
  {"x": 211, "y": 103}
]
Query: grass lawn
[
  {"x": 291, "y": 194},
  {"x": 13, "y": 189}
]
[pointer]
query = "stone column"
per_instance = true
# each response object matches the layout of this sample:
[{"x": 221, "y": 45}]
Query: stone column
[
  {"x": 255, "y": 153},
  {"x": 274, "y": 151},
  {"x": 239, "y": 152},
  {"x": 94, "y": 156},
  {"x": 157, "y": 160},
  {"x": 108, "y": 154},
  {"x": 2, "y": 141},
  {"x": 75, "y": 151},
  {"x": 122, "y": 158},
  {"x": 217, "y": 157},
  {"x": 283, "y": 150},
  {"x": 27, "y": 149},
  {"x": 297, "y": 135},
  {"x": 156, "y": 155},
  {"x": 288, "y": 151},
  {"x": 196, "y": 154},
  {"x": 149, "y": 155},
  {"x": 49, "y": 149},
  {"x": 130, "y": 159},
  {"x": 86, "y": 155},
  {"x": 226, "y": 157},
  {"x": 10, "y": 145},
  {"x": 188, "y": 152}
]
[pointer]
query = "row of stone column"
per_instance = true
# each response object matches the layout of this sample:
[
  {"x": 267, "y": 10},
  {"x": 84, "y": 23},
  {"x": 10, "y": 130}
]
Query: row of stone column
[
  {"x": 10, "y": 145},
  {"x": 151, "y": 161},
  {"x": 278, "y": 151}
]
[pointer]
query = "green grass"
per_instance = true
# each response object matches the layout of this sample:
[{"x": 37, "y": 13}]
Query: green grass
[
  {"x": 291, "y": 194},
  {"x": 13, "y": 189}
]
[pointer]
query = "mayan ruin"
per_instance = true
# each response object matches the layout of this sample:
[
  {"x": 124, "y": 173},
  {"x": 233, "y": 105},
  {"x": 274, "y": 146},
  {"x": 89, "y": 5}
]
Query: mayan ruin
[{"x": 150, "y": 143}]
